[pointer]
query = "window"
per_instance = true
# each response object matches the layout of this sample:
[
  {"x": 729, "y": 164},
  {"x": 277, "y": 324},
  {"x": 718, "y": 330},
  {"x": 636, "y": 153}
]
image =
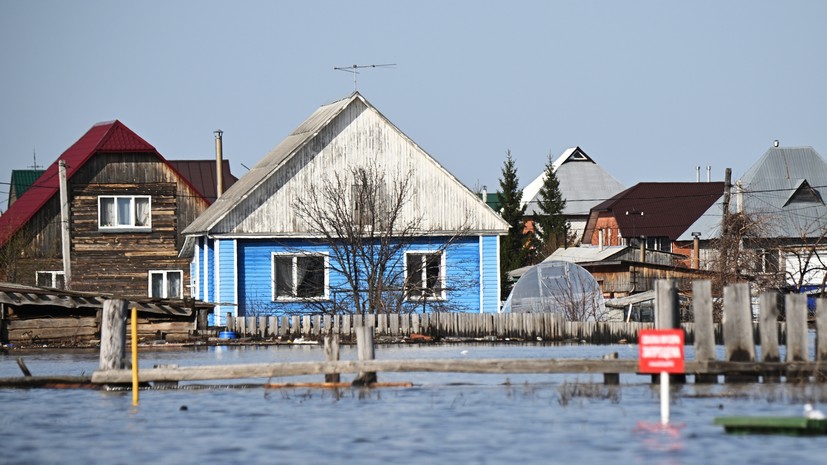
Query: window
[
  {"x": 166, "y": 284},
  {"x": 767, "y": 261},
  {"x": 425, "y": 275},
  {"x": 124, "y": 212},
  {"x": 53, "y": 279},
  {"x": 299, "y": 276}
]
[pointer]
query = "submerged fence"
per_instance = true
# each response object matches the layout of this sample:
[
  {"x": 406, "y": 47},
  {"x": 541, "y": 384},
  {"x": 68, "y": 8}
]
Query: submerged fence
[{"x": 493, "y": 327}]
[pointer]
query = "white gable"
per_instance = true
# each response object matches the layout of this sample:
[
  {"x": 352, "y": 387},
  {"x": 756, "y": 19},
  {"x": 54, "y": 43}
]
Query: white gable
[{"x": 356, "y": 135}]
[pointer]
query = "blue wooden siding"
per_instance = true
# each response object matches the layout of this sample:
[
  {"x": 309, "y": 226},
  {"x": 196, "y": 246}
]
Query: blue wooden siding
[
  {"x": 226, "y": 277},
  {"x": 255, "y": 288},
  {"x": 490, "y": 273},
  {"x": 209, "y": 292}
]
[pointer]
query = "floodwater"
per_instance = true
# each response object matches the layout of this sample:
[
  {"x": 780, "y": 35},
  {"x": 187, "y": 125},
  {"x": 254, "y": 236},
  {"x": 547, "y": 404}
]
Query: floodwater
[{"x": 444, "y": 418}]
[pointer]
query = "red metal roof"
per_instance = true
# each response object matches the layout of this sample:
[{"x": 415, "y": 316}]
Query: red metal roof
[
  {"x": 658, "y": 209},
  {"x": 201, "y": 174},
  {"x": 111, "y": 136}
]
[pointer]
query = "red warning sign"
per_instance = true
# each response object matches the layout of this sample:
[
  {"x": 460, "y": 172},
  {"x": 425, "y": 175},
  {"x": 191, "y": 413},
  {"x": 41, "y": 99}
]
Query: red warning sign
[{"x": 660, "y": 351}]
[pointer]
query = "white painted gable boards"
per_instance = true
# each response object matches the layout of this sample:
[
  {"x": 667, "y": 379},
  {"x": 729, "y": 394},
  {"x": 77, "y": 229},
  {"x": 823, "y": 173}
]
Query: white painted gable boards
[{"x": 357, "y": 136}]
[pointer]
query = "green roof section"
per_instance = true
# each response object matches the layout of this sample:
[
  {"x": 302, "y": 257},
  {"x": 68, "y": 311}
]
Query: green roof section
[{"x": 21, "y": 181}]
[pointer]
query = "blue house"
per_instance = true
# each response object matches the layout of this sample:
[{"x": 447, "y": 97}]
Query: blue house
[{"x": 271, "y": 244}]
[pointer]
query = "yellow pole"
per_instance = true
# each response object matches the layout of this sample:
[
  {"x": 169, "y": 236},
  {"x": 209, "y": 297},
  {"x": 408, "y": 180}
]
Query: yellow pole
[{"x": 134, "y": 356}]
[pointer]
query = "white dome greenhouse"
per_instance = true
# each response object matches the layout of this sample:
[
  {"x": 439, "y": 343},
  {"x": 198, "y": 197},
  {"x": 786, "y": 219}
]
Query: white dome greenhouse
[{"x": 558, "y": 287}]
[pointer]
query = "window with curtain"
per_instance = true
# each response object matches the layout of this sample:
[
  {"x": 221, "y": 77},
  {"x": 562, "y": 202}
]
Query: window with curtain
[
  {"x": 425, "y": 275},
  {"x": 299, "y": 276},
  {"x": 52, "y": 279},
  {"x": 124, "y": 212},
  {"x": 166, "y": 284}
]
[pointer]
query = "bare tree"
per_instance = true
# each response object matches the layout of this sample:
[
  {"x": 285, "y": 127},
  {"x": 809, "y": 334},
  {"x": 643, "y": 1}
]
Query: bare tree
[{"x": 361, "y": 216}]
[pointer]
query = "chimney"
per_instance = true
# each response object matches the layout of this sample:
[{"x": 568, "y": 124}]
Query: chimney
[
  {"x": 696, "y": 250},
  {"x": 739, "y": 196},
  {"x": 485, "y": 194},
  {"x": 698, "y": 174},
  {"x": 219, "y": 164},
  {"x": 708, "y": 173},
  {"x": 775, "y": 143}
]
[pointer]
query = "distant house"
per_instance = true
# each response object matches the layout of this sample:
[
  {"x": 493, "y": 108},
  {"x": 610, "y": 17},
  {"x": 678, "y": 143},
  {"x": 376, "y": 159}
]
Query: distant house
[
  {"x": 583, "y": 183},
  {"x": 127, "y": 208},
  {"x": 253, "y": 254},
  {"x": 655, "y": 215},
  {"x": 21, "y": 180},
  {"x": 784, "y": 193}
]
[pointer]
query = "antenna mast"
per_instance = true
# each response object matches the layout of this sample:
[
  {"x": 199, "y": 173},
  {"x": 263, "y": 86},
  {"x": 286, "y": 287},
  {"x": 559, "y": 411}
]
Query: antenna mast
[
  {"x": 35, "y": 166},
  {"x": 354, "y": 69}
]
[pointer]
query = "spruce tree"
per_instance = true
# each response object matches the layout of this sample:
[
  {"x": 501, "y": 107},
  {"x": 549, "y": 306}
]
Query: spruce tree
[
  {"x": 513, "y": 253},
  {"x": 551, "y": 227}
]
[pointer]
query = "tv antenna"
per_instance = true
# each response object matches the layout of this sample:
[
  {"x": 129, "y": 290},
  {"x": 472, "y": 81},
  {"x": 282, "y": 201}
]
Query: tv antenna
[
  {"x": 35, "y": 165},
  {"x": 354, "y": 69}
]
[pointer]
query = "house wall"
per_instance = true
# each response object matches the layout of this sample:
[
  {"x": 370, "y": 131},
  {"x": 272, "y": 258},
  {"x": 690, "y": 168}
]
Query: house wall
[
  {"x": 472, "y": 278},
  {"x": 116, "y": 262},
  {"x": 606, "y": 225}
]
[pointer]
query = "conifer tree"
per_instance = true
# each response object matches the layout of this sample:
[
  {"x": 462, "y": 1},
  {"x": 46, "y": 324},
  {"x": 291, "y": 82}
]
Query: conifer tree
[
  {"x": 551, "y": 227},
  {"x": 513, "y": 253}
]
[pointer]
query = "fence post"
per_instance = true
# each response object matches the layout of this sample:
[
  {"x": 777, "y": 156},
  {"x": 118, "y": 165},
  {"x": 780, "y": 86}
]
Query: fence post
[
  {"x": 795, "y": 313},
  {"x": 331, "y": 354},
  {"x": 821, "y": 336},
  {"x": 738, "y": 329},
  {"x": 113, "y": 334},
  {"x": 704, "y": 327},
  {"x": 667, "y": 315},
  {"x": 364, "y": 345},
  {"x": 768, "y": 328}
]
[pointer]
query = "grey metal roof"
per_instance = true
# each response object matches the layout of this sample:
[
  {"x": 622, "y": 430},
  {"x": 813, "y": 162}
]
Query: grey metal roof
[
  {"x": 583, "y": 183},
  {"x": 267, "y": 166},
  {"x": 787, "y": 189}
]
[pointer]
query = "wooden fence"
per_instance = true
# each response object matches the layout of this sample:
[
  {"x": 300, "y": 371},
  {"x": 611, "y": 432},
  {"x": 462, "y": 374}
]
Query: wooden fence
[{"x": 467, "y": 326}]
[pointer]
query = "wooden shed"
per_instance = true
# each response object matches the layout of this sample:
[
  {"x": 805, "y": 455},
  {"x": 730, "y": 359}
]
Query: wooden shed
[{"x": 32, "y": 315}]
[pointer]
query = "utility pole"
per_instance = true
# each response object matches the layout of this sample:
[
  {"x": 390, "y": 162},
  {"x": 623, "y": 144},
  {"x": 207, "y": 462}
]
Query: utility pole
[
  {"x": 64, "y": 226},
  {"x": 724, "y": 252}
]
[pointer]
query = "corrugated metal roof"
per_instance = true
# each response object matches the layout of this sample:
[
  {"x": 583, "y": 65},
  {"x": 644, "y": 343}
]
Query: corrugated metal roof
[
  {"x": 660, "y": 209},
  {"x": 21, "y": 180},
  {"x": 583, "y": 183},
  {"x": 787, "y": 187},
  {"x": 201, "y": 174}
]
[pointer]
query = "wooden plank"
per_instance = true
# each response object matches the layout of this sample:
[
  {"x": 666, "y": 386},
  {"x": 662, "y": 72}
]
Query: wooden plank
[
  {"x": 738, "y": 331},
  {"x": 44, "y": 323},
  {"x": 704, "y": 328},
  {"x": 821, "y": 330},
  {"x": 667, "y": 314},
  {"x": 796, "y": 317},
  {"x": 768, "y": 328},
  {"x": 768, "y": 323},
  {"x": 27, "y": 335},
  {"x": 272, "y": 326}
]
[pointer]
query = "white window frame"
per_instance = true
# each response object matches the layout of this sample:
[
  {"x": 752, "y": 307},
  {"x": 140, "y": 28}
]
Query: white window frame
[
  {"x": 53, "y": 278},
  {"x": 443, "y": 272},
  {"x": 294, "y": 276},
  {"x": 165, "y": 274},
  {"x": 132, "y": 216}
]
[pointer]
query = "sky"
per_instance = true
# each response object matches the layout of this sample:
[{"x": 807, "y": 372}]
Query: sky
[{"x": 649, "y": 89}]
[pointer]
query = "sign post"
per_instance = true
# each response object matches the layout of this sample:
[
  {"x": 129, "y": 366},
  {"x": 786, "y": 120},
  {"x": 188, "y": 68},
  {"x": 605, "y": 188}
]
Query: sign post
[{"x": 661, "y": 351}]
